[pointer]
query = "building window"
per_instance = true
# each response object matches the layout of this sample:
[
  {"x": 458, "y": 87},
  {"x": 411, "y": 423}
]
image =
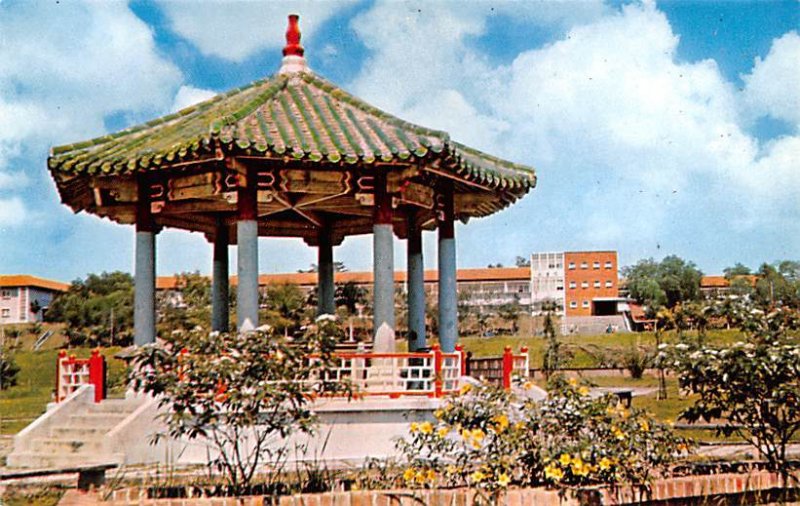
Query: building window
[
  {"x": 573, "y": 284},
  {"x": 573, "y": 304},
  {"x": 609, "y": 284},
  {"x": 596, "y": 265},
  {"x": 584, "y": 265},
  {"x": 585, "y": 303},
  {"x": 597, "y": 284},
  {"x": 608, "y": 265},
  {"x": 6, "y": 294},
  {"x": 584, "y": 284},
  {"x": 6, "y": 313},
  {"x": 572, "y": 265}
]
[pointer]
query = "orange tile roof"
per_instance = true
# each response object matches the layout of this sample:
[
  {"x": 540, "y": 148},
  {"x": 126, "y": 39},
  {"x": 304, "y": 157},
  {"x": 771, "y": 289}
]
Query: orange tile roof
[
  {"x": 723, "y": 282},
  {"x": 365, "y": 278},
  {"x": 22, "y": 280}
]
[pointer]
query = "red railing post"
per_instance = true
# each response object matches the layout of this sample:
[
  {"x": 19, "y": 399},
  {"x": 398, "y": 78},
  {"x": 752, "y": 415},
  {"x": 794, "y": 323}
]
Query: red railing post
[
  {"x": 508, "y": 367},
  {"x": 437, "y": 370},
  {"x": 463, "y": 359},
  {"x": 97, "y": 374}
]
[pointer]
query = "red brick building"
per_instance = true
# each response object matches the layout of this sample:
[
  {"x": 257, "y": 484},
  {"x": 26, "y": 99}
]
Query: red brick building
[
  {"x": 581, "y": 283},
  {"x": 591, "y": 283}
]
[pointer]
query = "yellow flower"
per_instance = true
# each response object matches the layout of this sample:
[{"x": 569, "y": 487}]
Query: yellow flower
[
  {"x": 478, "y": 435},
  {"x": 477, "y": 476},
  {"x": 426, "y": 427},
  {"x": 503, "y": 480},
  {"x": 442, "y": 432},
  {"x": 553, "y": 472},
  {"x": 409, "y": 474},
  {"x": 466, "y": 433},
  {"x": 528, "y": 385},
  {"x": 519, "y": 426},
  {"x": 565, "y": 459},
  {"x": 583, "y": 391},
  {"x": 438, "y": 414},
  {"x": 465, "y": 388},
  {"x": 414, "y": 427},
  {"x": 644, "y": 425},
  {"x": 476, "y": 444},
  {"x": 431, "y": 475},
  {"x": 451, "y": 469},
  {"x": 572, "y": 382},
  {"x": 605, "y": 464},
  {"x": 618, "y": 433},
  {"x": 420, "y": 477},
  {"x": 501, "y": 421}
]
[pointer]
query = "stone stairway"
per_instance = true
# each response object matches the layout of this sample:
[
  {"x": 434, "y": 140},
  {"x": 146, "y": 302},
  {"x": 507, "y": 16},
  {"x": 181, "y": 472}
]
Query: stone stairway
[{"x": 78, "y": 438}]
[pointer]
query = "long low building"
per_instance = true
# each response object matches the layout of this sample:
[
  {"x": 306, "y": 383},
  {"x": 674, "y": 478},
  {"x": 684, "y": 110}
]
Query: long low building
[{"x": 484, "y": 288}]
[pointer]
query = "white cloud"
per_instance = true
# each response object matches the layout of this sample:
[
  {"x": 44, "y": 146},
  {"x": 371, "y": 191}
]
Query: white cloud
[
  {"x": 633, "y": 146},
  {"x": 78, "y": 62},
  {"x": 189, "y": 95},
  {"x": 235, "y": 29},
  {"x": 773, "y": 86},
  {"x": 12, "y": 212}
]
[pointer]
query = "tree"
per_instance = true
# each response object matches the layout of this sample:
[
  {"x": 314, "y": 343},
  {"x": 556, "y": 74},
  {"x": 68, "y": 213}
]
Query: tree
[
  {"x": 778, "y": 285},
  {"x": 8, "y": 370},
  {"x": 191, "y": 309},
  {"x": 666, "y": 283},
  {"x": 522, "y": 261},
  {"x": 243, "y": 393},
  {"x": 285, "y": 304},
  {"x": 350, "y": 295},
  {"x": 510, "y": 312},
  {"x": 752, "y": 386},
  {"x": 97, "y": 308},
  {"x": 736, "y": 271},
  {"x": 554, "y": 356}
]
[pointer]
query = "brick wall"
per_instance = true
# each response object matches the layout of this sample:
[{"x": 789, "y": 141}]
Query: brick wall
[
  {"x": 585, "y": 273},
  {"x": 684, "y": 490}
]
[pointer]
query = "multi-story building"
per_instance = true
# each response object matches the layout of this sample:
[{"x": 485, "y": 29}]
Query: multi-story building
[
  {"x": 24, "y": 299},
  {"x": 580, "y": 283}
]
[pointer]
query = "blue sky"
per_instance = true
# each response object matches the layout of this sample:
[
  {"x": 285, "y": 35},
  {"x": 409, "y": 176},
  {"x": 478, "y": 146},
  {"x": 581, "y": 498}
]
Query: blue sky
[{"x": 655, "y": 127}]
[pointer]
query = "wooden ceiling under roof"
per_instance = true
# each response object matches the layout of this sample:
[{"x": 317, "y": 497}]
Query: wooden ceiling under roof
[{"x": 314, "y": 150}]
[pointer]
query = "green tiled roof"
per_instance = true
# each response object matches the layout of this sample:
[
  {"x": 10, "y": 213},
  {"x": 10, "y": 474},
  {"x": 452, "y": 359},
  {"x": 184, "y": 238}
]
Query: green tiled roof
[{"x": 298, "y": 115}]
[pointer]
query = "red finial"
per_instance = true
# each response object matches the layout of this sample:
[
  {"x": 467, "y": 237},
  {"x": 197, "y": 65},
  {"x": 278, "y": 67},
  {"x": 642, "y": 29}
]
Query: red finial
[{"x": 293, "y": 47}]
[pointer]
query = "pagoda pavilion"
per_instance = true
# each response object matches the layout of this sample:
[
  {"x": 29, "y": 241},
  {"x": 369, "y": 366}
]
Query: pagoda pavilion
[{"x": 291, "y": 155}]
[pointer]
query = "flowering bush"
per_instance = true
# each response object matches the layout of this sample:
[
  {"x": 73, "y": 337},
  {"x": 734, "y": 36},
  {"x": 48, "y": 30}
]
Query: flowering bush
[
  {"x": 241, "y": 393},
  {"x": 490, "y": 438},
  {"x": 753, "y": 386}
]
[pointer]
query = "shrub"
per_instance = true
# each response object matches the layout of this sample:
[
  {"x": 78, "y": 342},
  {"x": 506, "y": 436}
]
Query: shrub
[
  {"x": 752, "y": 386},
  {"x": 8, "y": 371},
  {"x": 489, "y": 438},
  {"x": 242, "y": 393}
]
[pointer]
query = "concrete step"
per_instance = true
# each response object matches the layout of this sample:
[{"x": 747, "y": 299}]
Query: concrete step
[
  {"x": 36, "y": 460},
  {"x": 58, "y": 446},
  {"x": 96, "y": 420},
  {"x": 78, "y": 432},
  {"x": 118, "y": 406}
]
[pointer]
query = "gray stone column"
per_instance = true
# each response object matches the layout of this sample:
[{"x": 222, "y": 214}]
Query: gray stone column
[
  {"x": 144, "y": 298},
  {"x": 326, "y": 303},
  {"x": 416, "y": 287},
  {"x": 220, "y": 280},
  {"x": 383, "y": 269},
  {"x": 247, "y": 254},
  {"x": 448, "y": 295}
]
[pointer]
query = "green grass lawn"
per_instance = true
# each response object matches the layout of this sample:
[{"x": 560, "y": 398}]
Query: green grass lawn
[
  {"x": 493, "y": 346},
  {"x": 21, "y": 404}
]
